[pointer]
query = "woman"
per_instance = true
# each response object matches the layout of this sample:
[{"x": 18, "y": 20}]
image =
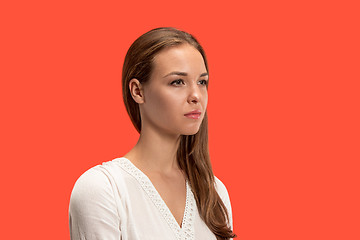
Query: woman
[{"x": 164, "y": 187}]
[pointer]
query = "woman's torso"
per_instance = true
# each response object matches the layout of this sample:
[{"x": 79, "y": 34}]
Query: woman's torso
[{"x": 127, "y": 206}]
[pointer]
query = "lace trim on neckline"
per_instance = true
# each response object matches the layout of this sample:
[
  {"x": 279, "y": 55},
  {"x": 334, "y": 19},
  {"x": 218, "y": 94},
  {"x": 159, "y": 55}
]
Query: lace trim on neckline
[{"x": 186, "y": 231}]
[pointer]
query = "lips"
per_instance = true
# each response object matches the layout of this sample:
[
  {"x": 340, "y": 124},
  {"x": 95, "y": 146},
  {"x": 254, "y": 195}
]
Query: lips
[{"x": 193, "y": 114}]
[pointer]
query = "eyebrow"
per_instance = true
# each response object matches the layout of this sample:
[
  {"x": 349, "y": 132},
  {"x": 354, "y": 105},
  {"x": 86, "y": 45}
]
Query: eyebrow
[{"x": 183, "y": 74}]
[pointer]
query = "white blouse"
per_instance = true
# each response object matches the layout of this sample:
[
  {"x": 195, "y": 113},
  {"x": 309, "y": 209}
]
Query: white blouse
[{"x": 116, "y": 200}]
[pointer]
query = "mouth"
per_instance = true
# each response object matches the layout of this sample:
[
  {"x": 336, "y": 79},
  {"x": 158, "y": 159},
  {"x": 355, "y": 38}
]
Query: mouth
[{"x": 193, "y": 115}]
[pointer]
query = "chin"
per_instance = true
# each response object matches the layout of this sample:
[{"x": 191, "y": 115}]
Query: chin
[{"x": 190, "y": 131}]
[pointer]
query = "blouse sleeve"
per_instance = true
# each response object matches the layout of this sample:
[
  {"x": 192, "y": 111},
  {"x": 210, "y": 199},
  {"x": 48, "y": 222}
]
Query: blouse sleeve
[
  {"x": 224, "y": 195},
  {"x": 92, "y": 211}
]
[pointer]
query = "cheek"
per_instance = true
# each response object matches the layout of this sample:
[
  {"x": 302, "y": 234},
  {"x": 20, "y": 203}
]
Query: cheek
[
  {"x": 163, "y": 103},
  {"x": 205, "y": 99}
]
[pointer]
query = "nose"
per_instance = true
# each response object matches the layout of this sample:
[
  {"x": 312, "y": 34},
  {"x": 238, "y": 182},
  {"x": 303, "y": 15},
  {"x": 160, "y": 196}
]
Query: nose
[{"x": 194, "y": 94}]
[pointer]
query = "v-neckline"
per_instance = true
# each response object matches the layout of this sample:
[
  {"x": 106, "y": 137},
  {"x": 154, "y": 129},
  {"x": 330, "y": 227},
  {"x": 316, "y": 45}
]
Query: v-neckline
[{"x": 186, "y": 230}]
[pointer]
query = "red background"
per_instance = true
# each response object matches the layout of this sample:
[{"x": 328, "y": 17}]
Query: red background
[{"x": 283, "y": 108}]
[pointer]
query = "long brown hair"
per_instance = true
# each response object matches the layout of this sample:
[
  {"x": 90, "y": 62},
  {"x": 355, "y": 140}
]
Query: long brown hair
[{"x": 193, "y": 151}]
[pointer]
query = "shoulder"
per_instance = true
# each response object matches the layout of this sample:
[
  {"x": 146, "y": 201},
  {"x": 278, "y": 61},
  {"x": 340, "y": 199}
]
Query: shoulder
[
  {"x": 224, "y": 195},
  {"x": 93, "y": 178},
  {"x": 94, "y": 208},
  {"x": 99, "y": 182},
  {"x": 220, "y": 188},
  {"x": 95, "y": 193},
  {"x": 93, "y": 184}
]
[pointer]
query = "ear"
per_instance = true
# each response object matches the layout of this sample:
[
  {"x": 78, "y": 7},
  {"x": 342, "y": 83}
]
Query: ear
[{"x": 136, "y": 90}]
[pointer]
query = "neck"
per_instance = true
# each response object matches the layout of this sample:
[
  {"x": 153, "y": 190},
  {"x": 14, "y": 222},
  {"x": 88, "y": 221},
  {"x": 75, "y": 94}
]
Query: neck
[{"x": 155, "y": 151}]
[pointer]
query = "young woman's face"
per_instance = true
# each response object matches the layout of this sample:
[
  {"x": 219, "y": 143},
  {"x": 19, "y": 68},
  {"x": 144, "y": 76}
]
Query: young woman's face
[{"x": 176, "y": 88}]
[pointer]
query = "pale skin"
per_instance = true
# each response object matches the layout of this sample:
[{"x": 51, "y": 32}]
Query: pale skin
[{"x": 176, "y": 86}]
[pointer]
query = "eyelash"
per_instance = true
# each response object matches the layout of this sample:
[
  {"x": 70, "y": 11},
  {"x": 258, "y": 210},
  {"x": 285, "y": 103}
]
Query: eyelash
[
  {"x": 205, "y": 82},
  {"x": 176, "y": 82}
]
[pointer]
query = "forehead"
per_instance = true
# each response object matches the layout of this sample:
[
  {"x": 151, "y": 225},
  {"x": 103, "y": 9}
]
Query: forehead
[{"x": 184, "y": 58}]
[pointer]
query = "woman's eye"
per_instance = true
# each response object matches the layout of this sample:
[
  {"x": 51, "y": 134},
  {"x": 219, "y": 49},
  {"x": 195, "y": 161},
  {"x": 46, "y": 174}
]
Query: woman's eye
[
  {"x": 177, "y": 82},
  {"x": 203, "y": 82}
]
